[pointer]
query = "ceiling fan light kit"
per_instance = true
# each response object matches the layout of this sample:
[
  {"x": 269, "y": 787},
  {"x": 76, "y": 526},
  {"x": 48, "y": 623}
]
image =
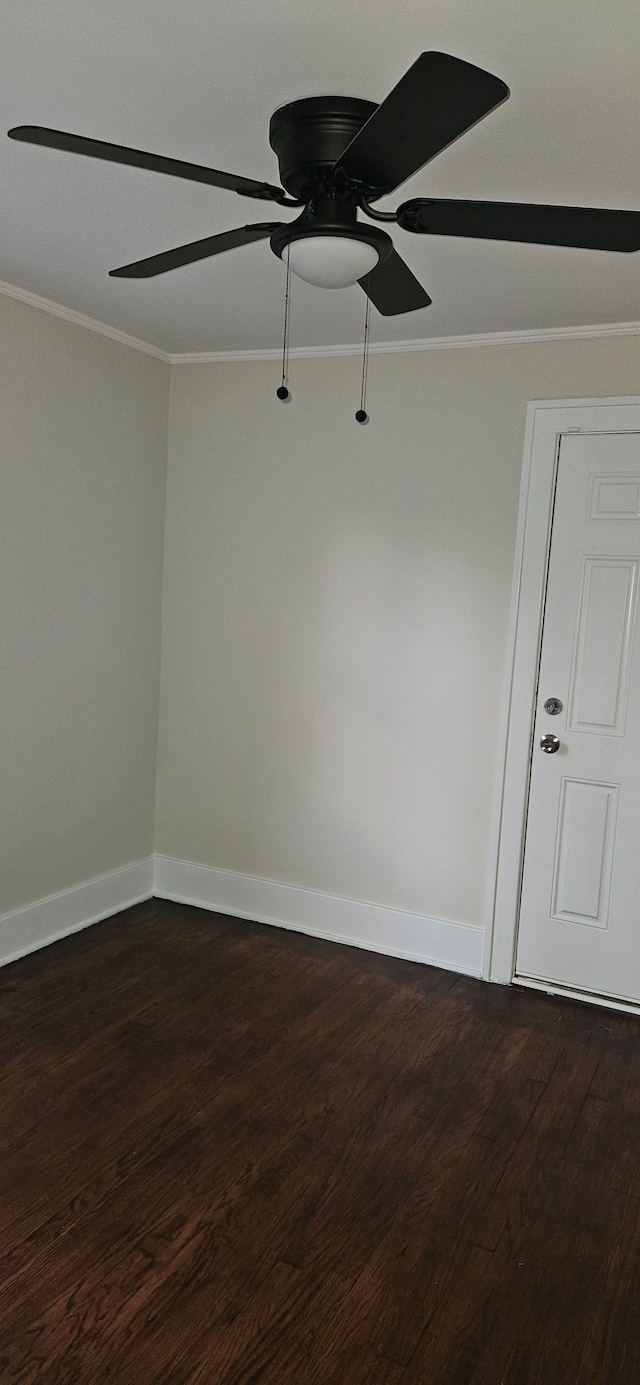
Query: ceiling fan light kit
[
  {"x": 332, "y": 262},
  {"x": 328, "y": 246},
  {"x": 337, "y": 156}
]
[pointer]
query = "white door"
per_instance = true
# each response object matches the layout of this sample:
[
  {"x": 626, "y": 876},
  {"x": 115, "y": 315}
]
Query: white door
[{"x": 580, "y": 905}]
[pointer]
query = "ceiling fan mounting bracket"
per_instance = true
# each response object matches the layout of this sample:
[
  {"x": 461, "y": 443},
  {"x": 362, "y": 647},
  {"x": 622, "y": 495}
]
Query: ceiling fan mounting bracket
[
  {"x": 413, "y": 216},
  {"x": 375, "y": 215},
  {"x": 266, "y": 193}
]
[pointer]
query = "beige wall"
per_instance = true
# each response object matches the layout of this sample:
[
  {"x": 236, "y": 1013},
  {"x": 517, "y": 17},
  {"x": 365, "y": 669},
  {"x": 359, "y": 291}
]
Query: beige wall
[
  {"x": 83, "y": 423},
  {"x": 335, "y": 608},
  {"x": 336, "y": 604}
]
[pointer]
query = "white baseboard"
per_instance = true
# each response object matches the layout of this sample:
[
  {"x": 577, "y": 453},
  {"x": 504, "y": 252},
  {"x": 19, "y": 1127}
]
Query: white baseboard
[
  {"x": 394, "y": 932},
  {"x": 38, "y": 924},
  {"x": 454, "y": 946}
]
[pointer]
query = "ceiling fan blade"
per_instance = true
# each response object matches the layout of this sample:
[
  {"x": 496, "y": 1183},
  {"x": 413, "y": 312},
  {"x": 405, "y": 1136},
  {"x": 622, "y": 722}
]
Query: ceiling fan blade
[
  {"x": 392, "y": 287},
  {"x": 196, "y": 250},
  {"x": 436, "y": 101},
  {"x": 137, "y": 158},
  {"x": 588, "y": 228}
]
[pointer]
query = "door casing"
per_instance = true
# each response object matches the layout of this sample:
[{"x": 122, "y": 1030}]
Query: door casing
[{"x": 547, "y": 420}]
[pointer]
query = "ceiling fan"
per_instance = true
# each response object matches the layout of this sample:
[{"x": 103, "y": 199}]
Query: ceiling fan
[{"x": 337, "y": 155}]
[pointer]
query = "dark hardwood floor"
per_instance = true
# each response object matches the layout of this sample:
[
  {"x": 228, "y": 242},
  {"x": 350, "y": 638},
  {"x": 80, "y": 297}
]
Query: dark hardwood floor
[{"x": 231, "y": 1154}]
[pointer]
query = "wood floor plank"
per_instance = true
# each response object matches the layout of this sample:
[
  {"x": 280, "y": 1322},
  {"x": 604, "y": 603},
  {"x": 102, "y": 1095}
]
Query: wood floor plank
[{"x": 233, "y": 1155}]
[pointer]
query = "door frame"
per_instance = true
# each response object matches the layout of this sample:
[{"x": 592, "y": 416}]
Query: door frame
[{"x": 547, "y": 421}]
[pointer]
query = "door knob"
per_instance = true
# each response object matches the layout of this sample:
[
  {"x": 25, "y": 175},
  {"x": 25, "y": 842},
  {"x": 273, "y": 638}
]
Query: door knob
[{"x": 550, "y": 744}]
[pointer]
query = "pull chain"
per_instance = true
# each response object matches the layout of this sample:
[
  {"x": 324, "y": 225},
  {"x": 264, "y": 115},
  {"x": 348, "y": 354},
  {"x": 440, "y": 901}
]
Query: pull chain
[
  {"x": 361, "y": 414},
  {"x": 283, "y": 392}
]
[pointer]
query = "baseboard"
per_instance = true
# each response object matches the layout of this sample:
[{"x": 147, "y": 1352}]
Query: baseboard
[
  {"x": 44, "y": 922},
  {"x": 416, "y": 937},
  {"x": 454, "y": 946}
]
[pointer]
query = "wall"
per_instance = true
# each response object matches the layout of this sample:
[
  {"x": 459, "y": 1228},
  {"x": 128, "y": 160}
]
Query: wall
[
  {"x": 335, "y": 611},
  {"x": 335, "y": 608},
  {"x": 83, "y": 428}
]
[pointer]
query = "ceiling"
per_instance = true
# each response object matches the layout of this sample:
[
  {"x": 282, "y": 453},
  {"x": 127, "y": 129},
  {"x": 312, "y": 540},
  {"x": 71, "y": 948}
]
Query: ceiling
[{"x": 200, "y": 82}]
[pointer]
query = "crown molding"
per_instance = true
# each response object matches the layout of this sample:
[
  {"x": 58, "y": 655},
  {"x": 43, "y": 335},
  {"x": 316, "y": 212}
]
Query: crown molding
[
  {"x": 514, "y": 338},
  {"x": 273, "y": 353},
  {"x": 47, "y": 305}
]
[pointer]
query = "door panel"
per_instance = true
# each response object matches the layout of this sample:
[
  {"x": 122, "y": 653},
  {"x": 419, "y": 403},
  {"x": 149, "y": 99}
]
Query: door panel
[
  {"x": 615, "y": 497},
  {"x": 580, "y": 905},
  {"x": 584, "y": 852},
  {"x": 599, "y": 682}
]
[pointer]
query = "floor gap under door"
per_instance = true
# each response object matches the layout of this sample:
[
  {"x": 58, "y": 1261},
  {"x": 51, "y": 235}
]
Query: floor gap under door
[{"x": 628, "y": 1007}]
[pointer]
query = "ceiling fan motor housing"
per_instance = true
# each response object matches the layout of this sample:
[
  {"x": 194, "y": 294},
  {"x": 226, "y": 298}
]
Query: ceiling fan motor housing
[{"x": 310, "y": 135}]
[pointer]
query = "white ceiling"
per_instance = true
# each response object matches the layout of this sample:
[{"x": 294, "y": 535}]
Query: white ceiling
[{"x": 199, "y": 81}]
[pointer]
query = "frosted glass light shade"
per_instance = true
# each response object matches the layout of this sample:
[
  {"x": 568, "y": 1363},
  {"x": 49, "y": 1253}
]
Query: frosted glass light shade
[{"x": 331, "y": 262}]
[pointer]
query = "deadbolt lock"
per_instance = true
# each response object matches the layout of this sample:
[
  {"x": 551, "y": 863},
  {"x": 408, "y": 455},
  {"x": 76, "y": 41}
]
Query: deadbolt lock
[
  {"x": 553, "y": 705},
  {"x": 550, "y": 744}
]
